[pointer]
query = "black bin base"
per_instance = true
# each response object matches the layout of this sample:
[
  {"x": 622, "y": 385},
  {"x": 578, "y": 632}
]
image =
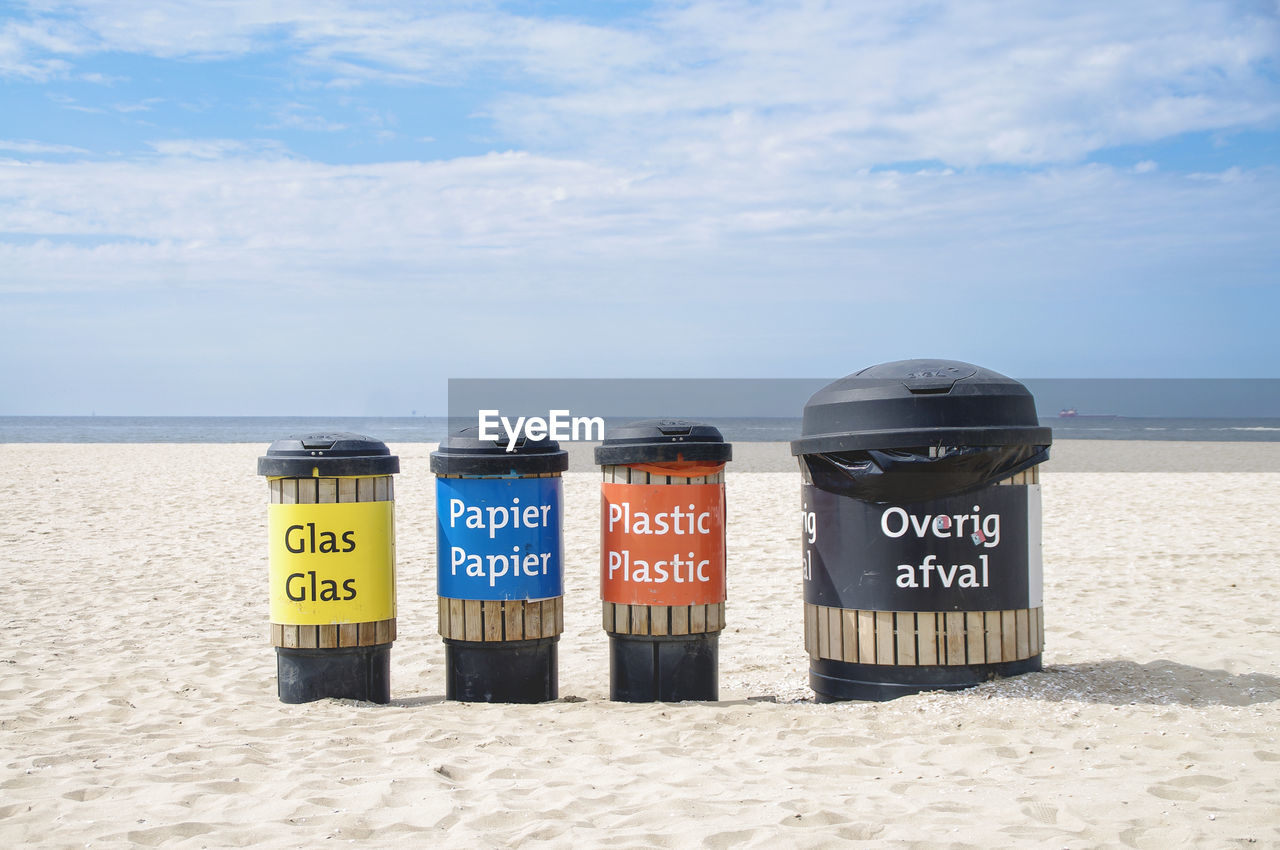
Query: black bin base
[
  {"x": 655, "y": 668},
  {"x": 523, "y": 671},
  {"x": 349, "y": 672},
  {"x": 835, "y": 681}
]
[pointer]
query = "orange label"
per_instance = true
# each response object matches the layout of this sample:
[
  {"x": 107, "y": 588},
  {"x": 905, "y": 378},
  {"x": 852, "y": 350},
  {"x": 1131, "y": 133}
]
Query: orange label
[{"x": 662, "y": 544}]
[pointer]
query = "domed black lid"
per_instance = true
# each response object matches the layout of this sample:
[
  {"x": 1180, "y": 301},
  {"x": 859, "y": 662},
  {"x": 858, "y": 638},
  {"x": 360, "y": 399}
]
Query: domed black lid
[
  {"x": 465, "y": 453},
  {"x": 919, "y": 403},
  {"x": 331, "y": 454},
  {"x": 663, "y": 441}
]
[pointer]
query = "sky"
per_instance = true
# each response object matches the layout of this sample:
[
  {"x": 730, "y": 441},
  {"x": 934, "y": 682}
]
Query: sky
[{"x": 331, "y": 207}]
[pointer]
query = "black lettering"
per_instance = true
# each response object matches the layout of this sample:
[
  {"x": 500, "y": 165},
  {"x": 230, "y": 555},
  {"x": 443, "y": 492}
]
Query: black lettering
[
  {"x": 349, "y": 586},
  {"x": 312, "y": 573},
  {"x": 329, "y": 590},
  {"x": 288, "y": 587},
  {"x": 328, "y": 542},
  {"x": 288, "y": 544},
  {"x": 348, "y": 537}
]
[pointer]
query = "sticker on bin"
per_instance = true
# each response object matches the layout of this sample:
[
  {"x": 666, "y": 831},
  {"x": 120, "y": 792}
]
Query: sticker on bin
[
  {"x": 979, "y": 551},
  {"x": 331, "y": 563},
  {"x": 662, "y": 544},
  {"x": 499, "y": 538}
]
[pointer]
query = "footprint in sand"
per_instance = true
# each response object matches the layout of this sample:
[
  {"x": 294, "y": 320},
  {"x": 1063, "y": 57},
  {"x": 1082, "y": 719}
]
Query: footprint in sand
[{"x": 1042, "y": 812}]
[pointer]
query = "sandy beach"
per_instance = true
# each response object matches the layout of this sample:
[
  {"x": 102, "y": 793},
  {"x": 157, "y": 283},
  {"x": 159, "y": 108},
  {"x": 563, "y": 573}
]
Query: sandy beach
[{"x": 138, "y": 698}]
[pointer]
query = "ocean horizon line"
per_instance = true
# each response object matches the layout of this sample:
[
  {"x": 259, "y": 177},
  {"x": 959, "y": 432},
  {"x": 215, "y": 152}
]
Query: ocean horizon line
[{"x": 114, "y": 428}]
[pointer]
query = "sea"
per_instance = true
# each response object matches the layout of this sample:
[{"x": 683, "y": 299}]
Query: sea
[{"x": 431, "y": 429}]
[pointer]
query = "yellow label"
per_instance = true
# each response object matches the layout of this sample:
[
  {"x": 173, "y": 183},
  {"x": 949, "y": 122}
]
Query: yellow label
[{"x": 332, "y": 563}]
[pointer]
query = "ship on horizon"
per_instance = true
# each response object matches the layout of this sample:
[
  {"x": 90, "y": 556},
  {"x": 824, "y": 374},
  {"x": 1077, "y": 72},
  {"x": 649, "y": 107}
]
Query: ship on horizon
[{"x": 1072, "y": 413}]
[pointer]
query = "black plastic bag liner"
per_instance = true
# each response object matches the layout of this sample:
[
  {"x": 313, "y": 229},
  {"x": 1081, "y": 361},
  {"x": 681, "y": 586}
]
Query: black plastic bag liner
[
  {"x": 916, "y": 430},
  {"x": 904, "y": 476}
]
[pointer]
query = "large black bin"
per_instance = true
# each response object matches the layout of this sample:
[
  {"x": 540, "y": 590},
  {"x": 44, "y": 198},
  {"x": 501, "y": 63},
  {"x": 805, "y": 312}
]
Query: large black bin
[{"x": 921, "y": 518}]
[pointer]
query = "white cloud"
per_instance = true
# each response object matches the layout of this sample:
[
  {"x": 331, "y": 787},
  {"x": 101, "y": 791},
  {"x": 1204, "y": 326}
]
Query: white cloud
[
  {"x": 214, "y": 148},
  {"x": 507, "y": 222},
  {"x": 30, "y": 147},
  {"x": 862, "y": 83},
  {"x": 297, "y": 116}
]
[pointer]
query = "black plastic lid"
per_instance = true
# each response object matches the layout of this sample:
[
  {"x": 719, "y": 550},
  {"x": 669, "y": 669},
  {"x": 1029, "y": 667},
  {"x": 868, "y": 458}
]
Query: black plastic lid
[
  {"x": 663, "y": 441},
  {"x": 465, "y": 453},
  {"x": 912, "y": 403},
  {"x": 324, "y": 455}
]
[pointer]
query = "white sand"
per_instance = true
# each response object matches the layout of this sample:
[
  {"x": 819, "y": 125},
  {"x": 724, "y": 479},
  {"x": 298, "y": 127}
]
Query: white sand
[{"x": 138, "y": 697}]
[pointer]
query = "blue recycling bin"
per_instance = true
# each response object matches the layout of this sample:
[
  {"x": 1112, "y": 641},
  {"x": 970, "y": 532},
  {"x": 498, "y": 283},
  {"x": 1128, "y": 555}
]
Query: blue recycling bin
[{"x": 500, "y": 566}]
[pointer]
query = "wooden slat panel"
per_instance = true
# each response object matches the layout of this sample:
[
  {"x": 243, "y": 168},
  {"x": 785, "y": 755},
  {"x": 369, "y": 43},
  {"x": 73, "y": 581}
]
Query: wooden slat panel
[
  {"x": 346, "y": 489},
  {"x": 492, "y": 616},
  {"x": 621, "y": 619},
  {"x": 512, "y": 621},
  {"x": 1033, "y": 633},
  {"x": 307, "y": 638},
  {"x": 1024, "y": 642},
  {"x": 348, "y": 634},
  {"x": 823, "y": 625},
  {"x": 975, "y": 638},
  {"x": 277, "y": 634},
  {"x": 680, "y": 620},
  {"x": 549, "y": 618},
  {"x": 1040, "y": 626},
  {"x": 559, "y": 615},
  {"x": 289, "y": 638},
  {"x": 811, "y": 630},
  {"x": 607, "y": 616},
  {"x": 835, "y": 625},
  {"x": 382, "y": 489},
  {"x": 849, "y": 636},
  {"x": 289, "y": 491},
  {"x": 659, "y": 619},
  {"x": 457, "y": 623},
  {"x": 471, "y": 616},
  {"x": 884, "y": 637},
  {"x": 953, "y": 622},
  {"x": 905, "y": 623},
  {"x": 991, "y": 622},
  {"x": 442, "y": 618},
  {"x": 639, "y": 619},
  {"x": 866, "y": 637},
  {"x": 720, "y": 614},
  {"x": 1008, "y": 636},
  {"x": 327, "y": 637},
  {"x": 326, "y": 491},
  {"x": 927, "y": 637},
  {"x": 368, "y": 634},
  {"x": 382, "y": 631},
  {"x": 306, "y": 491},
  {"x": 697, "y": 619},
  {"x": 273, "y": 486},
  {"x": 532, "y": 620}
]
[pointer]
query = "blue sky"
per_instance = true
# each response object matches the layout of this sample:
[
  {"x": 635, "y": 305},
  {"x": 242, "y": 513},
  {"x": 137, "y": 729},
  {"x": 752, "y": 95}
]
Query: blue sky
[{"x": 330, "y": 208}]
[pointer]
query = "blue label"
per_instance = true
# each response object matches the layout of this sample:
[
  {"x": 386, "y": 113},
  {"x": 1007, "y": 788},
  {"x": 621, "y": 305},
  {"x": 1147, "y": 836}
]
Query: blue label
[{"x": 499, "y": 538}]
